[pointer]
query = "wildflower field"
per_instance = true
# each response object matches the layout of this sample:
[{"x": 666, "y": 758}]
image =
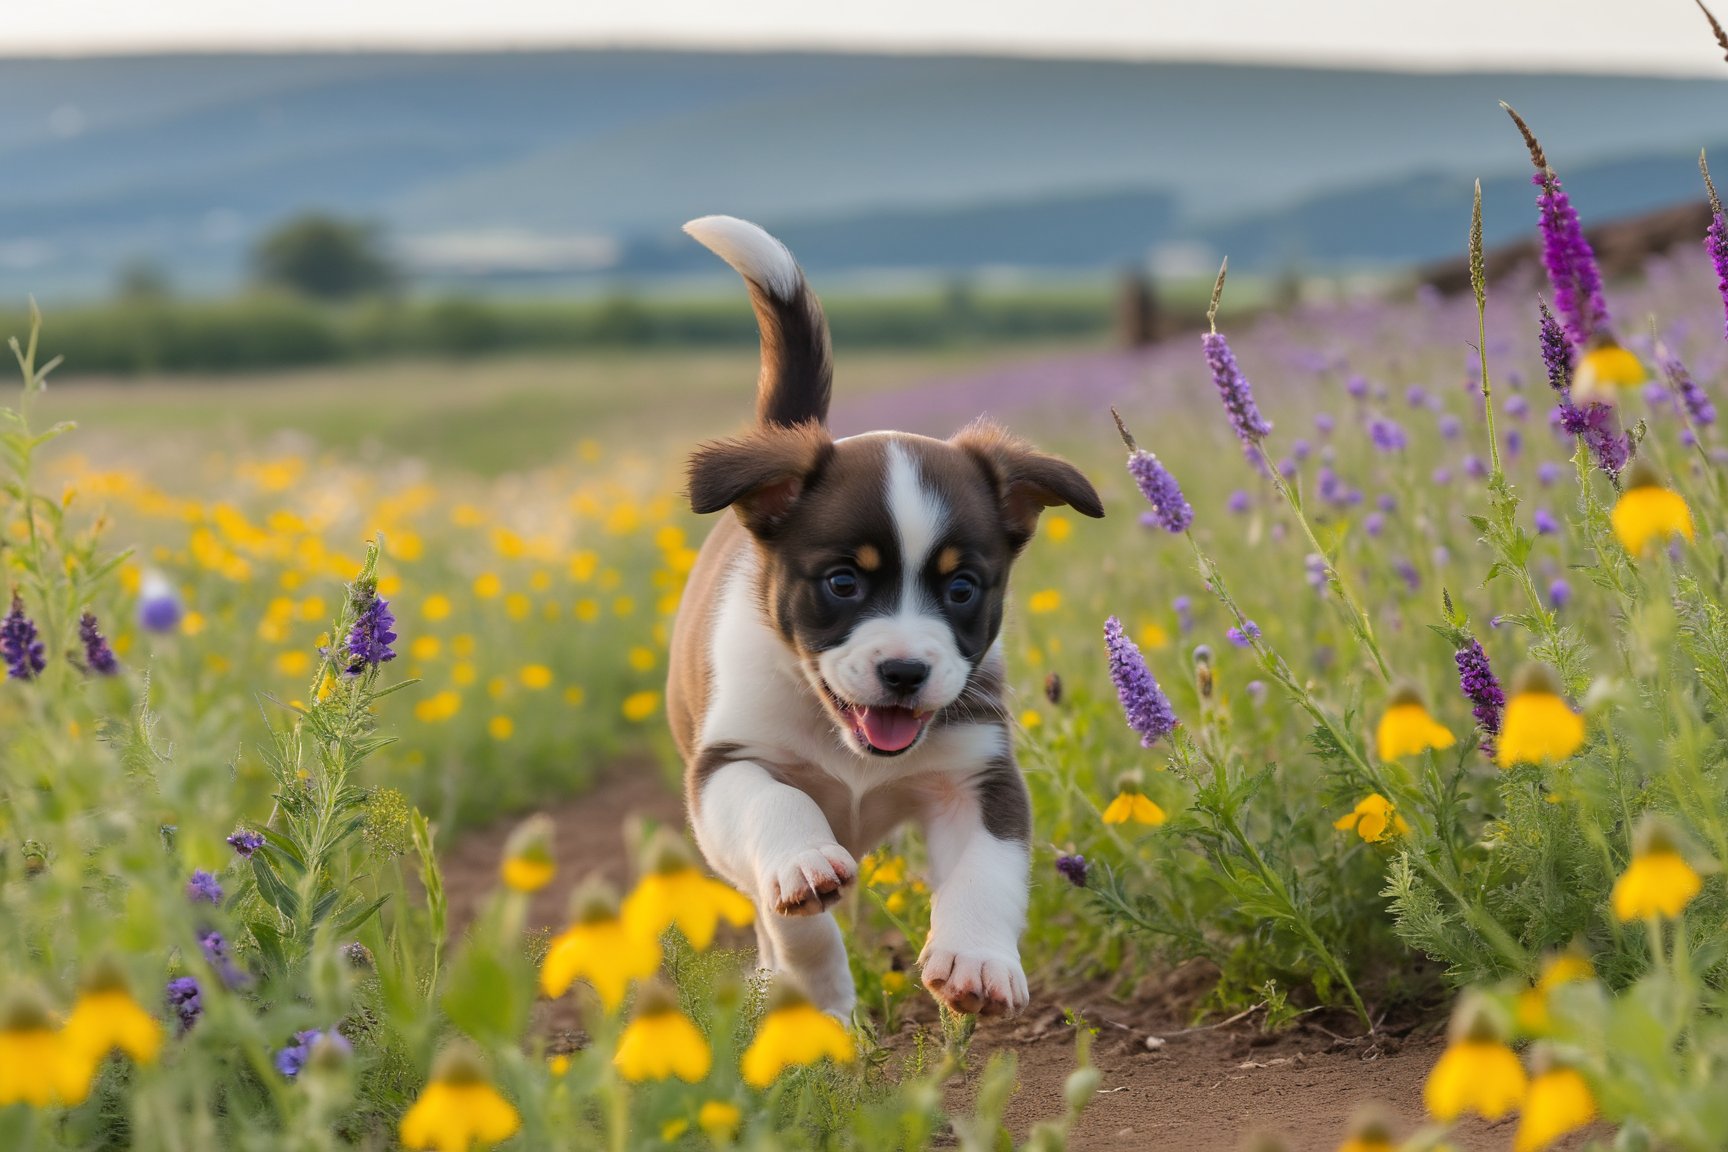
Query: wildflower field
[{"x": 1393, "y": 690}]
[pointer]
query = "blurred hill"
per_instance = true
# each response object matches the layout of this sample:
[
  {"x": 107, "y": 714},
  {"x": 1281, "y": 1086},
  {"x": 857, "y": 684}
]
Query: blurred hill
[{"x": 576, "y": 167}]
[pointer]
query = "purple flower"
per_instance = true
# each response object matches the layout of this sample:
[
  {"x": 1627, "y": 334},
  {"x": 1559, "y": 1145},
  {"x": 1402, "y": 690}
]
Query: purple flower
[
  {"x": 1557, "y": 355},
  {"x": 1716, "y": 238},
  {"x": 1601, "y": 434},
  {"x": 1697, "y": 401},
  {"x": 1244, "y": 636},
  {"x": 1184, "y": 607},
  {"x": 1156, "y": 484},
  {"x": 159, "y": 608},
  {"x": 1517, "y": 407},
  {"x": 245, "y": 843},
  {"x": 20, "y": 645},
  {"x": 1374, "y": 523},
  {"x": 1450, "y": 427},
  {"x": 1559, "y": 594},
  {"x": 1386, "y": 435},
  {"x": 1073, "y": 869},
  {"x": 1315, "y": 566},
  {"x": 98, "y": 657},
  {"x": 1143, "y": 702},
  {"x": 1407, "y": 572},
  {"x": 1323, "y": 423},
  {"x": 1514, "y": 442},
  {"x": 1301, "y": 450},
  {"x": 1546, "y": 525},
  {"x": 203, "y": 887},
  {"x": 290, "y": 1060},
  {"x": 1440, "y": 477},
  {"x": 1386, "y": 502},
  {"x": 1416, "y": 396},
  {"x": 1288, "y": 468},
  {"x": 1233, "y": 389},
  {"x": 370, "y": 639},
  {"x": 1357, "y": 386},
  {"x": 215, "y": 950},
  {"x": 186, "y": 1001},
  {"x": 1256, "y": 692},
  {"x": 1239, "y": 501},
  {"x": 1570, "y": 262},
  {"x": 1547, "y": 472},
  {"x": 1475, "y": 467},
  {"x": 1476, "y": 679}
]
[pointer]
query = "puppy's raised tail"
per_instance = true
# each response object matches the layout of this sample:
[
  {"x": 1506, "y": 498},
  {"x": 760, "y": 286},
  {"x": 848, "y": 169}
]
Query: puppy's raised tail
[{"x": 797, "y": 362}]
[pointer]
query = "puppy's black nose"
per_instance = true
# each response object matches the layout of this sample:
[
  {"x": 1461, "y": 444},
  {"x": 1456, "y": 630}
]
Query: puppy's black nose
[{"x": 903, "y": 677}]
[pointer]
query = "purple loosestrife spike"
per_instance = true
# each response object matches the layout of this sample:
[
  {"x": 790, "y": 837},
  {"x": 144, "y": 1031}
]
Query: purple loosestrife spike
[
  {"x": 245, "y": 843},
  {"x": 1566, "y": 254},
  {"x": 1557, "y": 355},
  {"x": 1244, "y": 636},
  {"x": 290, "y": 1060},
  {"x": 1233, "y": 389},
  {"x": 1073, "y": 869},
  {"x": 203, "y": 888},
  {"x": 1173, "y": 512},
  {"x": 20, "y": 645},
  {"x": 1143, "y": 702},
  {"x": 186, "y": 1000},
  {"x": 216, "y": 952},
  {"x": 1716, "y": 236},
  {"x": 1480, "y": 686},
  {"x": 370, "y": 639},
  {"x": 98, "y": 656},
  {"x": 1696, "y": 400}
]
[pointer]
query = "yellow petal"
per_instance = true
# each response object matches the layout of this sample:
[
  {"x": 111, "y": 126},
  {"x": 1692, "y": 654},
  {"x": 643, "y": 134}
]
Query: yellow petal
[
  {"x": 1477, "y": 1076},
  {"x": 662, "y": 1045},
  {"x": 606, "y": 954},
  {"x": 1538, "y": 728},
  {"x": 793, "y": 1037},
  {"x": 1602, "y": 371},
  {"x": 1650, "y": 515},
  {"x": 1655, "y": 884},
  {"x": 108, "y": 1019},
  {"x": 1146, "y": 812},
  {"x": 1558, "y": 1102},
  {"x": 454, "y": 1117},
  {"x": 1119, "y": 810},
  {"x": 1408, "y": 730}
]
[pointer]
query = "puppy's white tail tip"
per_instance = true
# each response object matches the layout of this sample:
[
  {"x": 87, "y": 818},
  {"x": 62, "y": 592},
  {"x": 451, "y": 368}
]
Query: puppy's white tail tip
[{"x": 756, "y": 255}]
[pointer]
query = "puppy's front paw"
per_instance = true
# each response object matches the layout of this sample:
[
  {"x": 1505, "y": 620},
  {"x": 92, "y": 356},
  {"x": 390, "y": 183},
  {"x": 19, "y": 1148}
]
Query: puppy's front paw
[
  {"x": 807, "y": 882},
  {"x": 974, "y": 981}
]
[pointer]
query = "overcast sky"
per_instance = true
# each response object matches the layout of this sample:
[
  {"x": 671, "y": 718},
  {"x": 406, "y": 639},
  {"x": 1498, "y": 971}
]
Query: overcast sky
[{"x": 1598, "y": 35}]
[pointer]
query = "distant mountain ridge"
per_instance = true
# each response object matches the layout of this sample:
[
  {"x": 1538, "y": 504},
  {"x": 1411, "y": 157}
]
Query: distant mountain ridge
[{"x": 927, "y": 163}]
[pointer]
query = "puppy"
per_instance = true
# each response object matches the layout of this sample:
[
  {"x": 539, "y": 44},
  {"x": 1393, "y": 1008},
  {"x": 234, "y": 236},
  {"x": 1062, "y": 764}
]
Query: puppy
[{"x": 836, "y": 668}]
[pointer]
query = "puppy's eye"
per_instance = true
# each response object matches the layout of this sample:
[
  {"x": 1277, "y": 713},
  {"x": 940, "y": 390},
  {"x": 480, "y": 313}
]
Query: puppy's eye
[
  {"x": 843, "y": 583},
  {"x": 962, "y": 589}
]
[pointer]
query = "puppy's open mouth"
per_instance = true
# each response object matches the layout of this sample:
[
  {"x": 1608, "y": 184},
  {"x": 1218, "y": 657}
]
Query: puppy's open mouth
[{"x": 885, "y": 729}]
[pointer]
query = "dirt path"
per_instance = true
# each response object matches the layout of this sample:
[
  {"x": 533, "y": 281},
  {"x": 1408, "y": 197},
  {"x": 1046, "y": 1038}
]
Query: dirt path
[{"x": 1199, "y": 1090}]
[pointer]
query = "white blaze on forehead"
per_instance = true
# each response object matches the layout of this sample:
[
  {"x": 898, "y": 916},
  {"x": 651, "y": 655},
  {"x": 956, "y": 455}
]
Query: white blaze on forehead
[{"x": 919, "y": 517}]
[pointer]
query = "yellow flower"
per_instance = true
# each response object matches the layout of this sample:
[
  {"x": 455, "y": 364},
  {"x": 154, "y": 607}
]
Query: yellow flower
[
  {"x": 435, "y": 607},
  {"x": 673, "y": 1129},
  {"x": 1604, "y": 369},
  {"x": 1043, "y": 602},
  {"x": 794, "y": 1033},
  {"x": 106, "y": 1017},
  {"x": 425, "y": 648},
  {"x": 1539, "y": 727},
  {"x": 1407, "y": 730},
  {"x": 1371, "y": 818},
  {"x": 487, "y": 585},
  {"x": 638, "y": 706},
  {"x": 893, "y": 983},
  {"x": 1648, "y": 513},
  {"x": 1562, "y": 968},
  {"x": 674, "y": 891},
  {"x": 559, "y": 1065},
  {"x": 535, "y": 676},
  {"x": 501, "y": 728},
  {"x": 1477, "y": 1072},
  {"x": 642, "y": 659},
  {"x": 192, "y": 623},
  {"x": 661, "y": 1042},
  {"x": 598, "y": 948},
  {"x": 517, "y": 605},
  {"x": 1659, "y": 881},
  {"x": 1058, "y": 528},
  {"x": 1152, "y": 636},
  {"x": 1133, "y": 806},
  {"x": 528, "y": 865},
  {"x": 293, "y": 663},
  {"x": 885, "y": 872},
  {"x": 37, "y": 1067},
  {"x": 460, "y": 1109},
  {"x": 1558, "y": 1102},
  {"x": 719, "y": 1119},
  {"x": 1030, "y": 719}
]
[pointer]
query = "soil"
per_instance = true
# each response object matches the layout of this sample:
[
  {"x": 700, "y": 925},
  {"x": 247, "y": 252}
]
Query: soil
[{"x": 1166, "y": 1085}]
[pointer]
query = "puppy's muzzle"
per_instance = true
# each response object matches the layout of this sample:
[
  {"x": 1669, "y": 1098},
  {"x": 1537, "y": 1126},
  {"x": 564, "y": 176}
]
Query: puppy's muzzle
[{"x": 903, "y": 678}]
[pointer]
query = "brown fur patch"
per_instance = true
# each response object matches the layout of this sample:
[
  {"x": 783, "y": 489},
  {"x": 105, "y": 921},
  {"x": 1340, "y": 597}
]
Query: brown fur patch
[
  {"x": 869, "y": 558},
  {"x": 948, "y": 560}
]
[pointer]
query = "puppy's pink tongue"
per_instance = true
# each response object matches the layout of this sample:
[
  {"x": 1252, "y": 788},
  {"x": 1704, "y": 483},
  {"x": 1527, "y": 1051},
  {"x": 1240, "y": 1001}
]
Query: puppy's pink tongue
[{"x": 889, "y": 729}]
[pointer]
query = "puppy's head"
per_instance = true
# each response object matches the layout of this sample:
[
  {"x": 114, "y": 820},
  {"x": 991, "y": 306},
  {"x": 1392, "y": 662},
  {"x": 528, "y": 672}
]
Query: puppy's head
[{"x": 885, "y": 557}]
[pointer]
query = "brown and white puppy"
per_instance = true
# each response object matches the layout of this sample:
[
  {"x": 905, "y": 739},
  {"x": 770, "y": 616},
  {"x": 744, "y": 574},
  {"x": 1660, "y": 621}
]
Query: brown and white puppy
[{"x": 835, "y": 666}]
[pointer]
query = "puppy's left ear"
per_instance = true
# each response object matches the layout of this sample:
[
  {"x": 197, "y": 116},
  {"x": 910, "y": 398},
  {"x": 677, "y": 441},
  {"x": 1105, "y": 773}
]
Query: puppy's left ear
[{"x": 1027, "y": 481}]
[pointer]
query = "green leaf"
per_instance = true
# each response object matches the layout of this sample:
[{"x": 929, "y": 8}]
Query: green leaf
[
  {"x": 275, "y": 893},
  {"x": 351, "y": 922}
]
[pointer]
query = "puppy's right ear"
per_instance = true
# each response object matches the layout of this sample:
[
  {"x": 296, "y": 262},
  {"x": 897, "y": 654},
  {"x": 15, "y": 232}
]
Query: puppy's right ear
[{"x": 760, "y": 474}]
